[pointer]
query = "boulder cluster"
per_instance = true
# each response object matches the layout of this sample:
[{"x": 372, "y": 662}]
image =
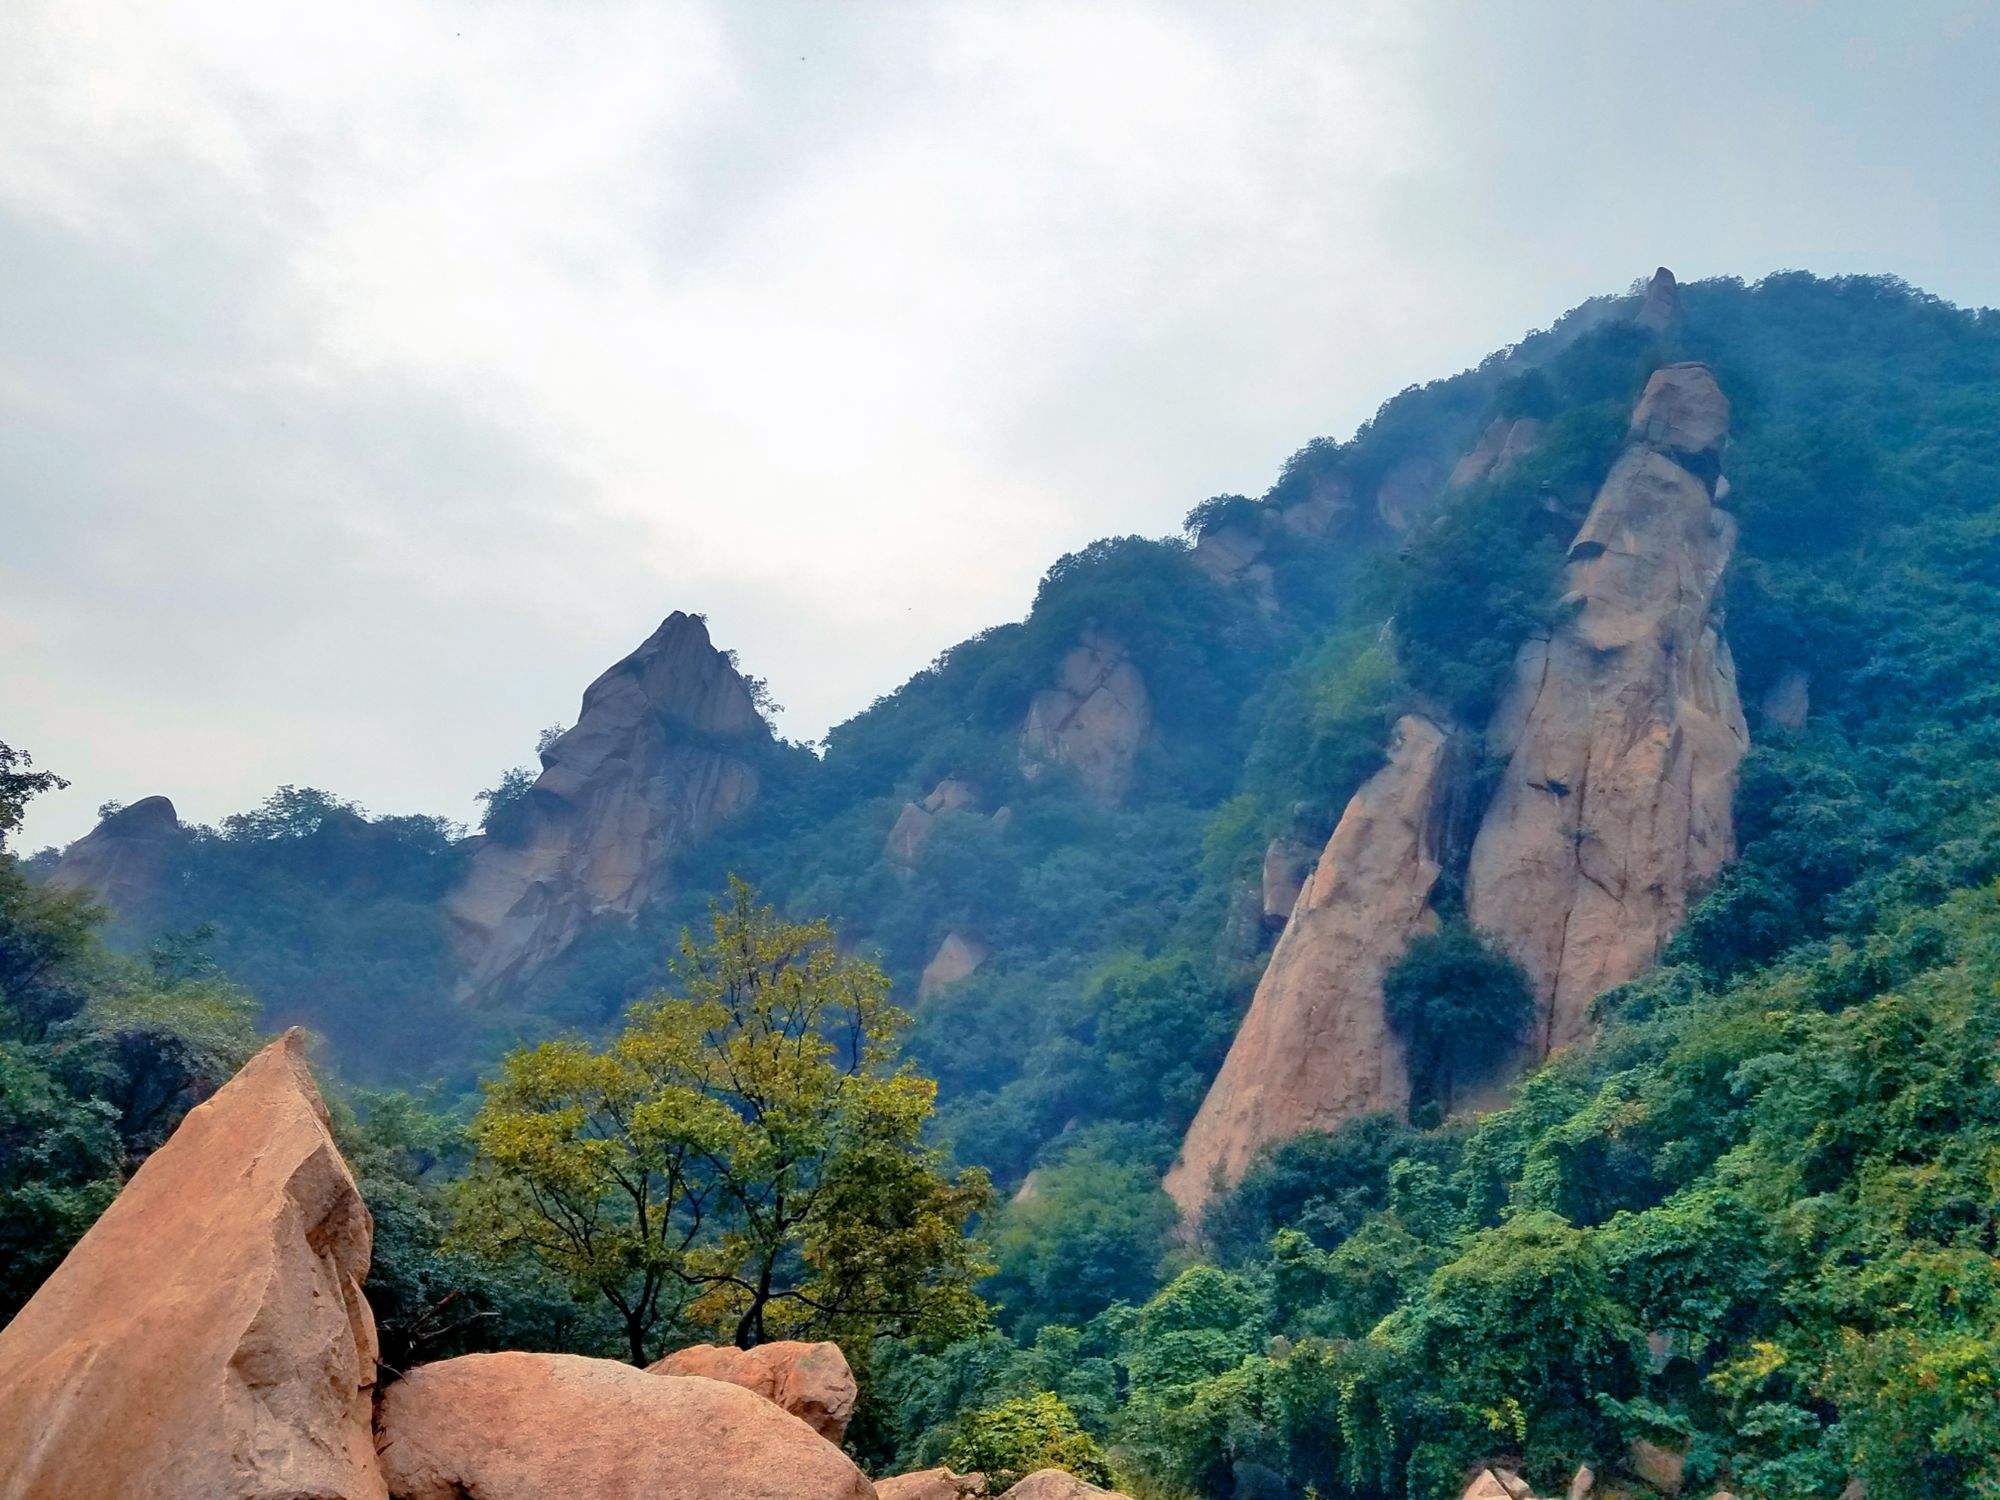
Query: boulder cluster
[{"x": 208, "y": 1339}]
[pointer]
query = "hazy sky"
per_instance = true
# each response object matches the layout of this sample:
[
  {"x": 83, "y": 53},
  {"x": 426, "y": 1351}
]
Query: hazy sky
[{"x": 372, "y": 375}]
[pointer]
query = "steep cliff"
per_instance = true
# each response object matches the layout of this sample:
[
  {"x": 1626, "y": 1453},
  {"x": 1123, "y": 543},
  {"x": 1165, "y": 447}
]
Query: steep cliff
[
  {"x": 1622, "y": 731},
  {"x": 1315, "y": 1048},
  {"x": 664, "y": 750}
]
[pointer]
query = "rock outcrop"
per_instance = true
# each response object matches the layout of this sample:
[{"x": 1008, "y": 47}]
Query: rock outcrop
[
  {"x": 1787, "y": 702},
  {"x": 1660, "y": 305},
  {"x": 1287, "y": 863},
  {"x": 1059, "y": 1484},
  {"x": 930, "y": 1484},
  {"x": 811, "y": 1381},
  {"x": 913, "y": 826},
  {"x": 531, "y": 1426},
  {"x": 1622, "y": 732},
  {"x": 957, "y": 958},
  {"x": 207, "y": 1339},
  {"x": 1093, "y": 721},
  {"x": 1497, "y": 1484},
  {"x": 1408, "y": 491},
  {"x": 124, "y": 861},
  {"x": 665, "y": 748},
  {"x": 1315, "y": 1048},
  {"x": 1504, "y": 443}
]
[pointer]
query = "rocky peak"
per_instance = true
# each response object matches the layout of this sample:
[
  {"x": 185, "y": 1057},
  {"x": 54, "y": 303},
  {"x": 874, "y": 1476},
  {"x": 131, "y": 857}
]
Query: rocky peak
[
  {"x": 1092, "y": 721},
  {"x": 1503, "y": 444},
  {"x": 123, "y": 861},
  {"x": 665, "y": 748},
  {"x": 1660, "y": 306}
]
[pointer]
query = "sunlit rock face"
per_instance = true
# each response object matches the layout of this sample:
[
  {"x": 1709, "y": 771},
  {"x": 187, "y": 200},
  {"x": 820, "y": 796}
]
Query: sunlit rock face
[
  {"x": 1622, "y": 732},
  {"x": 1315, "y": 1048},
  {"x": 664, "y": 750},
  {"x": 208, "y": 1338}
]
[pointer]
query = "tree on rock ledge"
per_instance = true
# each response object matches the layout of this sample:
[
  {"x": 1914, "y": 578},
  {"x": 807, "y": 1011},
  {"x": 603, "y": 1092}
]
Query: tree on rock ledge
[{"x": 744, "y": 1160}]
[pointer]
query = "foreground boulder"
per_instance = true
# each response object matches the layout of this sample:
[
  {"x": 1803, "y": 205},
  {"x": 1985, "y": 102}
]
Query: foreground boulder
[
  {"x": 1059, "y": 1484},
  {"x": 930, "y": 1484},
  {"x": 207, "y": 1338},
  {"x": 532, "y": 1426},
  {"x": 811, "y": 1381}
]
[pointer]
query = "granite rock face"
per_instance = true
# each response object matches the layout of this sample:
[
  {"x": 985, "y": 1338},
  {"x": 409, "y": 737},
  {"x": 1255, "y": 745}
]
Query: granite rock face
[
  {"x": 1316, "y": 1048},
  {"x": 1093, "y": 722},
  {"x": 664, "y": 750},
  {"x": 957, "y": 958},
  {"x": 1622, "y": 731},
  {"x": 531, "y": 1426},
  {"x": 207, "y": 1339},
  {"x": 123, "y": 862}
]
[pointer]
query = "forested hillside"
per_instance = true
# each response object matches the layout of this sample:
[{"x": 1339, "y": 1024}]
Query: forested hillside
[{"x": 1744, "y": 1234}]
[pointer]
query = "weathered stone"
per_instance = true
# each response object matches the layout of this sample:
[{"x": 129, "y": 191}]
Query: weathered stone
[
  {"x": 123, "y": 861},
  {"x": 1622, "y": 734},
  {"x": 1408, "y": 491},
  {"x": 1496, "y": 1484},
  {"x": 1582, "y": 1483},
  {"x": 1059, "y": 1484},
  {"x": 1226, "y": 551},
  {"x": 811, "y": 1381},
  {"x": 1662, "y": 1468},
  {"x": 1503, "y": 444},
  {"x": 1787, "y": 702},
  {"x": 905, "y": 844},
  {"x": 207, "y": 1339},
  {"x": 957, "y": 958},
  {"x": 1287, "y": 863},
  {"x": 1093, "y": 721},
  {"x": 532, "y": 1426},
  {"x": 930, "y": 1484},
  {"x": 1660, "y": 307},
  {"x": 664, "y": 750},
  {"x": 1316, "y": 1048},
  {"x": 1683, "y": 414},
  {"x": 952, "y": 795}
]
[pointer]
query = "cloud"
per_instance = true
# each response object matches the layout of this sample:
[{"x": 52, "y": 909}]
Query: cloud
[{"x": 374, "y": 375}]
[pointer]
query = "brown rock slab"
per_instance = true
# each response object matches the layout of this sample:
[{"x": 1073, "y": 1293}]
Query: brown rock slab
[
  {"x": 1662, "y": 1468},
  {"x": 810, "y": 1380},
  {"x": 1287, "y": 863},
  {"x": 930, "y": 1484},
  {"x": 562, "y": 1427},
  {"x": 1316, "y": 1048},
  {"x": 1059, "y": 1484},
  {"x": 207, "y": 1339},
  {"x": 123, "y": 861}
]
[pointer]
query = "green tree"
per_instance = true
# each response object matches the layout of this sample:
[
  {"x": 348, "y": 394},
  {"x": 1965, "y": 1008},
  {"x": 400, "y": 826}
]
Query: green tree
[
  {"x": 1459, "y": 1005},
  {"x": 1018, "y": 1437},
  {"x": 745, "y": 1157}
]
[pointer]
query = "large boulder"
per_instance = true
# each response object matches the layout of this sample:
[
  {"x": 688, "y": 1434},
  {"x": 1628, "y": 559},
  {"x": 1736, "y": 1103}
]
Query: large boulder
[
  {"x": 207, "y": 1339},
  {"x": 1316, "y": 1047},
  {"x": 1059, "y": 1484},
  {"x": 665, "y": 748},
  {"x": 811, "y": 1381},
  {"x": 930, "y": 1484},
  {"x": 532, "y": 1426}
]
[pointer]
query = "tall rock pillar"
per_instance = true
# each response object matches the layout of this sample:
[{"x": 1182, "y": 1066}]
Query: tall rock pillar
[{"x": 1622, "y": 732}]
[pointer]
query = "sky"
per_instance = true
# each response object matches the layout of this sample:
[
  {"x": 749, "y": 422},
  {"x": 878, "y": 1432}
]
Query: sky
[{"x": 374, "y": 375}]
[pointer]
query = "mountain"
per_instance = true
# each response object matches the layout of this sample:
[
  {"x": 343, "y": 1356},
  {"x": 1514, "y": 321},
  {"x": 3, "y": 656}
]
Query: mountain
[{"x": 1484, "y": 953}]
